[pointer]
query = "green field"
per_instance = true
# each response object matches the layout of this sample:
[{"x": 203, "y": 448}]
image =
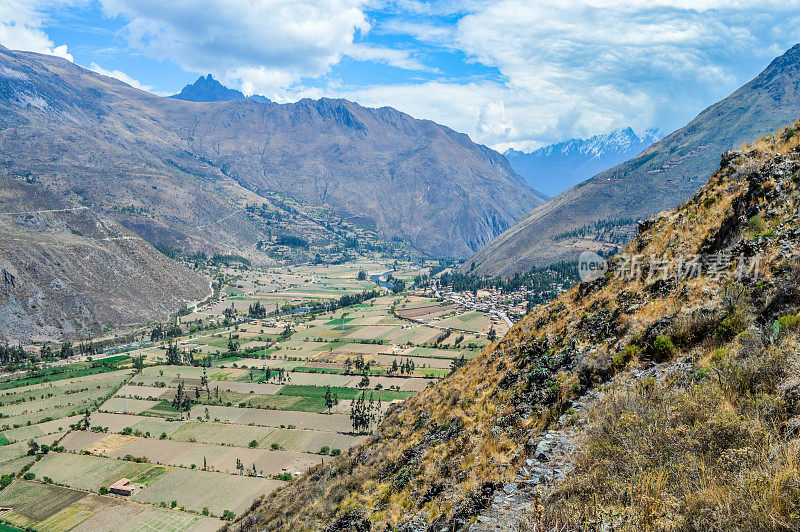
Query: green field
[
  {"x": 163, "y": 409},
  {"x": 344, "y": 394},
  {"x": 50, "y": 500}
]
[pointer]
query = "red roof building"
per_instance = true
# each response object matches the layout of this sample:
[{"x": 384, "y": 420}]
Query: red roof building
[{"x": 121, "y": 487}]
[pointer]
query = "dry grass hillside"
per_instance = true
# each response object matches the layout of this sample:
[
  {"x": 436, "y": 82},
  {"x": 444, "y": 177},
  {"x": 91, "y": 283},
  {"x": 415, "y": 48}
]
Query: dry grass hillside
[{"x": 691, "y": 387}]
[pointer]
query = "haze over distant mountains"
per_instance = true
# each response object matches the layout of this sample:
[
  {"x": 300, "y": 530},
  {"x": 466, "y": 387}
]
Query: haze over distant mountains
[
  {"x": 553, "y": 169},
  {"x": 665, "y": 174}
]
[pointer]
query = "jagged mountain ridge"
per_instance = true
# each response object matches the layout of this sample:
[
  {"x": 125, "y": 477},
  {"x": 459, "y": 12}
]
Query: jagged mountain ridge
[
  {"x": 485, "y": 441},
  {"x": 666, "y": 173},
  {"x": 557, "y": 167},
  {"x": 179, "y": 172}
]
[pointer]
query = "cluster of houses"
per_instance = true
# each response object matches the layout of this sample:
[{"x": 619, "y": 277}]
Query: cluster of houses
[{"x": 507, "y": 307}]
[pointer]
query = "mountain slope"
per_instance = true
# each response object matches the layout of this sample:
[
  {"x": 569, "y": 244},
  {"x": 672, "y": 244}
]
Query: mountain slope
[
  {"x": 181, "y": 173},
  {"x": 677, "y": 388},
  {"x": 555, "y": 168},
  {"x": 68, "y": 273},
  {"x": 666, "y": 173}
]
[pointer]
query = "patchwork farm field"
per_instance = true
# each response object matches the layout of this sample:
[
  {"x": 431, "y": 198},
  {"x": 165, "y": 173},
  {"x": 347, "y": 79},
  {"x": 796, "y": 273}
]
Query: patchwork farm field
[
  {"x": 245, "y": 403},
  {"x": 47, "y": 507}
]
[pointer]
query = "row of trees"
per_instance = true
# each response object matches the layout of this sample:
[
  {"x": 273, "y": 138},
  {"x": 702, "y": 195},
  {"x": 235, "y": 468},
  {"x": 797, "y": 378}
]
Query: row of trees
[
  {"x": 403, "y": 367},
  {"x": 162, "y": 332},
  {"x": 12, "y": 357},
  {"x": 363, "y": 412}
]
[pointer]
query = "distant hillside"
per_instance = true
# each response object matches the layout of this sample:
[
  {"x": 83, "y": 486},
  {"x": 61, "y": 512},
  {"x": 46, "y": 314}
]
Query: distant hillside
[
  {"x": 665, "y": 174},
  {"x": 555, "y": 168},
  {"x": 67, "y": 272},
  {"x": 181, "y": 173}
]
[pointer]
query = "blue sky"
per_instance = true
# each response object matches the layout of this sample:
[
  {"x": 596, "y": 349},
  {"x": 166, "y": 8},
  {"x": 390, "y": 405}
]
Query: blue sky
[{"x": 510, "y": 73}]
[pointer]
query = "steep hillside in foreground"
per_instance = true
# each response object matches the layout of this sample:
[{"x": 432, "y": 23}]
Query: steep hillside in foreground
[
  {"x": 555, "y": 168},
  {"x": 66, "y": 272},
  {"x": 677, "y": 387},
  {"x": 665, "y": 174},
  {"x": 181, "y": 173}
]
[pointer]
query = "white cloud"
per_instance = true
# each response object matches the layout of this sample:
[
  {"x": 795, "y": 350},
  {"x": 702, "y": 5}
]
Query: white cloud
[
  {"x": 578, "y": 67},
  {"x": 21, "y": 29},
  {"x": 430, "y": 33},
  {"x": 122, "y": 76},
  {"x": 389, "y": 56},
  {"x": 261, "y": 45}
]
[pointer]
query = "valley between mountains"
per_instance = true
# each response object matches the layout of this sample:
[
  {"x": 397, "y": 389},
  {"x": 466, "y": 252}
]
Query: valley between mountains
[
  {"x": 220, "y": 312},
  {"x": 659, "y": 402}
]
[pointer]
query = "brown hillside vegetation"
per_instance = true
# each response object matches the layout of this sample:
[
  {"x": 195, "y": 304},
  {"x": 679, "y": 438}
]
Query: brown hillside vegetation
[{"x": 691, "y": 384}]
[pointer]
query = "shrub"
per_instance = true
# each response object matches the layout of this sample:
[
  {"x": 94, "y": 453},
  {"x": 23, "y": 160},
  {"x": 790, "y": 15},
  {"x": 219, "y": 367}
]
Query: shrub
[
  {"x": 274, "y": 446},
  {"x": 620, "y": 360},
  {"x": 789, "y": 323},
  {"x": 756, "y": 223},
  {"x": 753, "y": 369},
  {"x": 732, "y": 324},
  {"x": 253, "y": 444},
  {"x": 663, "y": 348},
  {"x": 688, "y": 330},
  {"x": 103, "y": 490}
]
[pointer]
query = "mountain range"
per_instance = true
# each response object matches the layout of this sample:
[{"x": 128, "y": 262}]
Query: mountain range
[
  {"x": 557, "y": 167},
  {"x": 186, "y": 175},
  {"x": 179, "y": 172},
  {"x": 666, "y": 173}
]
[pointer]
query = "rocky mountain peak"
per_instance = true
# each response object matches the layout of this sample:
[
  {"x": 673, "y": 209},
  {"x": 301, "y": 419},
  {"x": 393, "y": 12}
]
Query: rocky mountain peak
[{"x": 208, "y": 89}]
